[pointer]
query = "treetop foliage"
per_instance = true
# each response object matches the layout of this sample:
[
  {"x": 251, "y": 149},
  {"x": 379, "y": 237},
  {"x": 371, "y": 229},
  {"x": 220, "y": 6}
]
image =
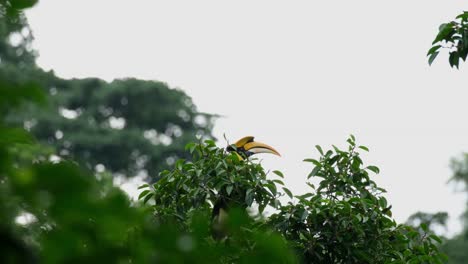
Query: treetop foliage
[
  {"x": 453, "y": 37},
  {"x": 345, "y": 219}
]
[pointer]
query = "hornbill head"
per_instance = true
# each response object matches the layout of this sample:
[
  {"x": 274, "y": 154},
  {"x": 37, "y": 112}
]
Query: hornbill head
[{"x": 246, "y": 147}]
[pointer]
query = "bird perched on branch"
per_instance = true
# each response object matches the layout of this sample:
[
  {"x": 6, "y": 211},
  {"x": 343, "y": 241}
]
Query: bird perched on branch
[
  {"x": 243, "y": 148},
  {"x": 246, "y": 147}
]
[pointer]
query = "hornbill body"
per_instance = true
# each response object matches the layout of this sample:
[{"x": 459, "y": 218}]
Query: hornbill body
[{"x": 243, "y": 148}]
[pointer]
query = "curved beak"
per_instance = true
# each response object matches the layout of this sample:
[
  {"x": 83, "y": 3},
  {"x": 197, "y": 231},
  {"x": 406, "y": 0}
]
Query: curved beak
[{"x": 258, "y": 147}]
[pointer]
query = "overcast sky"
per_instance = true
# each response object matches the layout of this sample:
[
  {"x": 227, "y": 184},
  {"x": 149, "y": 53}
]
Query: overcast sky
[{"x": 291, "y": 73}]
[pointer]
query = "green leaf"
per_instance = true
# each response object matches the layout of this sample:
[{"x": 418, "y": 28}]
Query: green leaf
[
  {"x": 314, "y": 172},
  {"x": 464, "y": 51},
  {"x": 383, "y": 202},
  {"x": 319, "y": 149},
  {"x": 279, "y": 182},
  {"x": 261, "y": 207},
  {"x": 22, "y": 4},
  {"x": 424, "y": 227},
  {"x": 288, "y": 192},
  {"x": 433, "y": 49},
  {"x": 210, "y": 143},
  {"x": 374, "y": 169},
  {"x": 147, "y": 197},
  {"x": 436, "y": 238},
  {"x": 304, "y": 196},
  {"x": 445, "y": 32},
  {"x": 272, "y": 188},
  {"x": 143, "y": 186},
  {"x": 314, "y": 161},
  {"x": 432, "y": 57},
  {"x": 279, "y": 173},
  {"x": 179, "y": 164},
  {"x": 358, "y": 217},
  {"x": 356, "y": 164},
  {"x": 463, "y": 16},
  {"x": 189, "y": 146},
  {"x": 303, "y": 237},
  {"x": 142, "y": 194},
  {"x": 454, "y": 59},
  {"x": 364, "y": 148}
]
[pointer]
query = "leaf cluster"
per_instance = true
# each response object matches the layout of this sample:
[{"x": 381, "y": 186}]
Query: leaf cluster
[
  {"x": 452, "y": 36},
  {"x": 211, "y": 176},
  {"x": 345, "y": 219}
]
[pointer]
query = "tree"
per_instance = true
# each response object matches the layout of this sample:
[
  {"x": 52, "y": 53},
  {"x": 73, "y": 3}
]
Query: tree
[
  {"x": 455, "y": 247},
  {"x": 127, "y": 126},
  {"x": 15, "y": 35},
  {"x": 343, "y": 220}
]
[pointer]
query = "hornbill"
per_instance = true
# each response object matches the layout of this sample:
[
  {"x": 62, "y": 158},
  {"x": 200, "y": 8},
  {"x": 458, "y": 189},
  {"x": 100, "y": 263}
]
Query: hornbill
[{"x": 243, "y": 148}]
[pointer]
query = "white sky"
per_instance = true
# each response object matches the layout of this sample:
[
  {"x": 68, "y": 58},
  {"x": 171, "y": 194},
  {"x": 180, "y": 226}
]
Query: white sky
[{"x": 292, "y": 73}]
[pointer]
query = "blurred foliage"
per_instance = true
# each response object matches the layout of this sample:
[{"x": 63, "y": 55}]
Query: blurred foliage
[
  {"x": 456, "y": 247},
  {"x": 459, "y": 168},
  {"x": 453, "y": 37},
  {"x": 125, "y": 126},
  {"x": 15, "y": 35},
  {"x": 431, "y": 221}
]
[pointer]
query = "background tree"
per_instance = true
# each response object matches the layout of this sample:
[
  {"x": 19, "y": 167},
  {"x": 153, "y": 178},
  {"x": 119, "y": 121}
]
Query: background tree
[
  {"x": 456, "y": 247},
  {"x": 126, "y": 126},
  {"x": 15, "y": 36}
]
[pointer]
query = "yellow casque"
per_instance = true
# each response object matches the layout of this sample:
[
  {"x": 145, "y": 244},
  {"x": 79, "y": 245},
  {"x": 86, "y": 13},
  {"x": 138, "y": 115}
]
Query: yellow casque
[{"x": 246, "y": 147}]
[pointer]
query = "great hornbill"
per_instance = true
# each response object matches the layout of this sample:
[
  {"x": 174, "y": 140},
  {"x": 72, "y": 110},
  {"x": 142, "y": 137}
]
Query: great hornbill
[{"x": 243, "y": 148}]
